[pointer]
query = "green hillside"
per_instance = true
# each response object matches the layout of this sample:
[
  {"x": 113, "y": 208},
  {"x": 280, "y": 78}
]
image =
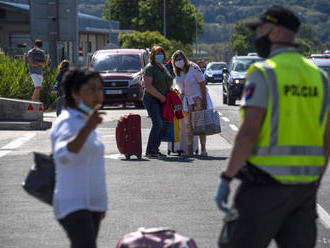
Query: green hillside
[{"x": 219, "y": 15}]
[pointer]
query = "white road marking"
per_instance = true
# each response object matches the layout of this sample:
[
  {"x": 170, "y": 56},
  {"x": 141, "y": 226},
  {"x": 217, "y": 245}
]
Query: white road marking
[
  {"x": 15, "y": 144},
  {"x": 324, "y": 216},
  {"x": 232, "y": 126},
  {"x": 225, "y": 119},
  {"x": 108, "y": 136},
  {"x": 115, "y": 156},
  {"x": 220, "y": 114}
]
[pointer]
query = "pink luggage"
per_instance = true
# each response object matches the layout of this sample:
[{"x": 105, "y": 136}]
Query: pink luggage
[
  {"x": 128, "y": 135},
  {"x": 158, "y": 237}
]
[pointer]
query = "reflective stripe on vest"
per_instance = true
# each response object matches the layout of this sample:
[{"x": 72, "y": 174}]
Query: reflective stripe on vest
[
  {"x": 287, "y": 163},
  {"x": 281, "y": 170},
  {"x": 288, "y": 150}
]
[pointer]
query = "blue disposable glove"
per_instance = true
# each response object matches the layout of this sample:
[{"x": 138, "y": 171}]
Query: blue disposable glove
[{"x": 221, "y": 195}]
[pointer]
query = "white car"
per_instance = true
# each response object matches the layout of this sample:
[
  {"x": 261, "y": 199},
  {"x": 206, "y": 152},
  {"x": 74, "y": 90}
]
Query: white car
[{"x": 323, "y": 63}]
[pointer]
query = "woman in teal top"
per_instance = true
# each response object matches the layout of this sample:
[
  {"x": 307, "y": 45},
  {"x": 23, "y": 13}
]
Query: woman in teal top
[{"x": 157, "y": 82}]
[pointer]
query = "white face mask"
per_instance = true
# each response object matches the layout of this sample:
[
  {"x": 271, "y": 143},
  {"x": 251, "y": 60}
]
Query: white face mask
[{"x": 179, "y": 63}]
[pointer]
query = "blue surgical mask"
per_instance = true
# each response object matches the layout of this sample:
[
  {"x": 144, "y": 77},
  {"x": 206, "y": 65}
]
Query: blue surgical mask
[
  {"x": 179, "y": 63},
  {"x": 84, "y": 108},
  {"x": 159, "y": 58}
]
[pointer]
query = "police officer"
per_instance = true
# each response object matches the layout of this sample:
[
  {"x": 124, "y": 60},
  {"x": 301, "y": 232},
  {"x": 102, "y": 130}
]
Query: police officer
[{"x": 282, "y": 147}]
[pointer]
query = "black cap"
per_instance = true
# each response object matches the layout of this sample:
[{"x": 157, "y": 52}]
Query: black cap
[{"x": 277, "y": 15}]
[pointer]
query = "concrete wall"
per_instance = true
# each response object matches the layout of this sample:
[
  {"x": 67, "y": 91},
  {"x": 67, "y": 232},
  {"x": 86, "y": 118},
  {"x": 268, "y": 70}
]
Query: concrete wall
[{"x": 20, "y": 110}]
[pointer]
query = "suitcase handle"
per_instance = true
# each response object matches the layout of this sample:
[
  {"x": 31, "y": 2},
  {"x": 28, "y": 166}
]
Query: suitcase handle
[{"x": 151, "y": 230}]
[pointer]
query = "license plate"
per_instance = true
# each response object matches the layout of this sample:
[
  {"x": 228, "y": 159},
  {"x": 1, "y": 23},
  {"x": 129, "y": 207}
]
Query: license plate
[
  {"x": 217, "y": 78},
  {"x": 113, "y": 92}
]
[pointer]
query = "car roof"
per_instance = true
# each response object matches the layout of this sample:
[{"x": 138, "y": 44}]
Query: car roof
[
  {"x": 320, "y": 56},
  {"x": 216, "y": 62},
  {"x": 246, "y": 57},
  {"x": 320, "y": 62},
  {"x": 120, "y": 51}
]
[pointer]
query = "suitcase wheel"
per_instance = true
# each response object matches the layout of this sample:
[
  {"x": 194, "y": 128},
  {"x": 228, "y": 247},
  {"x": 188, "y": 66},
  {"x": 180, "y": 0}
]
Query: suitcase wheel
[
  {"x": 127, "y": 156},
  {"x": 168, "y": 152}
]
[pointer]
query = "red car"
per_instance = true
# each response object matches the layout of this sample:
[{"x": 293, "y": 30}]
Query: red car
[{"x": 122, "y": 72}]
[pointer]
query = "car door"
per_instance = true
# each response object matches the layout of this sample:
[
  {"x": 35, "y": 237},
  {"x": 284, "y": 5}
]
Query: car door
[{"x": 226, "y": 77}]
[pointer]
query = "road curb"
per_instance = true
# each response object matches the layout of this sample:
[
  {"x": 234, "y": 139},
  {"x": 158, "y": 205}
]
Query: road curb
[{"x": 25, "y": 125}]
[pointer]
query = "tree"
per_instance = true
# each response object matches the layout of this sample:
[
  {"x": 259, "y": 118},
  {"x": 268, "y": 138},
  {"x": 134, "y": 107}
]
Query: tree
[
  {"x": 308, "y": 39},
  {"x": 305, "y": 47},
  {"x": 239, "y": 45},
  {"x": 122, "y": 11},
  {"x": 322, "y": 6},
  {"x": 306, "y": 31},
  {"x": 326, "y": 46},
  {"x": 142, "y": 40},
  {"x": 242, "y": 39},
  {"x": 147, "y": 15},
  {"x": 148, "y": 39}
]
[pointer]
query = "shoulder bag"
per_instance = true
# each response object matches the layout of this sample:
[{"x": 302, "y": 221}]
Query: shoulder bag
[
  {"x": 205, "y": 122},
  {"x": 40, "y": 180}
]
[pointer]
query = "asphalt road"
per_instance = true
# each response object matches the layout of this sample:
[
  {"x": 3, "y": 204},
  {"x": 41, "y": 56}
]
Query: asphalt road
[{"x": 173, "y": 192}]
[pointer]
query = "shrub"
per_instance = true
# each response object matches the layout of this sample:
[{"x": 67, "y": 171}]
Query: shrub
[{"x": 15, "y": 81}]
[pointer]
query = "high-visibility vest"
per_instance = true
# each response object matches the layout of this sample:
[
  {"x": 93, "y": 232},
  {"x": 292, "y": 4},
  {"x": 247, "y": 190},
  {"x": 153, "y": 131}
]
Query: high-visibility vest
[{"x": 290, "y": 145}]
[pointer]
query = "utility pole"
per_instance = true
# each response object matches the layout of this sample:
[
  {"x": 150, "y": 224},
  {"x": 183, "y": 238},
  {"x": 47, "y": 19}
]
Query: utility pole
[
  {"x": 164, "y": 22},
  {"x": 53, "y": 27},
  {"x": 110, "y": 25},
  {"x": 196, "y": 32}
]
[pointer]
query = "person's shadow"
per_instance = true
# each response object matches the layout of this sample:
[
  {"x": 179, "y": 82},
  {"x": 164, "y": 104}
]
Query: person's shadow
[{"x": 191, "y": 158}]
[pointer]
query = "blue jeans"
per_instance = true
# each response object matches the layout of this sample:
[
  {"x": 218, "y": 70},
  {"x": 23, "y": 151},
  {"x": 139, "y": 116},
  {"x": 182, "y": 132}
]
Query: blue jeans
[{"x": 154, "y": 108}]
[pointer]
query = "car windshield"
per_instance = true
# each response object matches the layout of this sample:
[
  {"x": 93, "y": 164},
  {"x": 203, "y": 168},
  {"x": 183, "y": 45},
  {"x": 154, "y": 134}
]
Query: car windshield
[
  {"x": 117, "y": 63},
  {"x": 216, "y": 67},
  {"x": 243, "y": 64}
]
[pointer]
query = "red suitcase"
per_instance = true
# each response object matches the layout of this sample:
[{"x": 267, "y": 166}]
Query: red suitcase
[{"x": 128, "y": 135}]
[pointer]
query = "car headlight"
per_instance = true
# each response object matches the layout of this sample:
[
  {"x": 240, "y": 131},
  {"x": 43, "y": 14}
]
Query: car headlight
[
  {"x": 209, "y": 74},
  {"x": 236, "y": 81}
]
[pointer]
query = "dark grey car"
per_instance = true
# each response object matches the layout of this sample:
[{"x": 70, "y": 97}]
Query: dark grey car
[{"x": 234, "y": 78}]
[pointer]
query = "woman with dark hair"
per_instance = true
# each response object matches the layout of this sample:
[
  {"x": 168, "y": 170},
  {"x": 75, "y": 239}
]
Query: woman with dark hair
[
  {"x": 62, "y": 68},
  {"x": 157, "y": 81},
  {"x": 192, "y": 86},
  {"x": 80, "y": 197}
]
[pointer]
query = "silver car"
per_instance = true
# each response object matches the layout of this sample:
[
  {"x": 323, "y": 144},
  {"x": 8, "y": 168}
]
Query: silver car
[{"x": 323, "y": 63}]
